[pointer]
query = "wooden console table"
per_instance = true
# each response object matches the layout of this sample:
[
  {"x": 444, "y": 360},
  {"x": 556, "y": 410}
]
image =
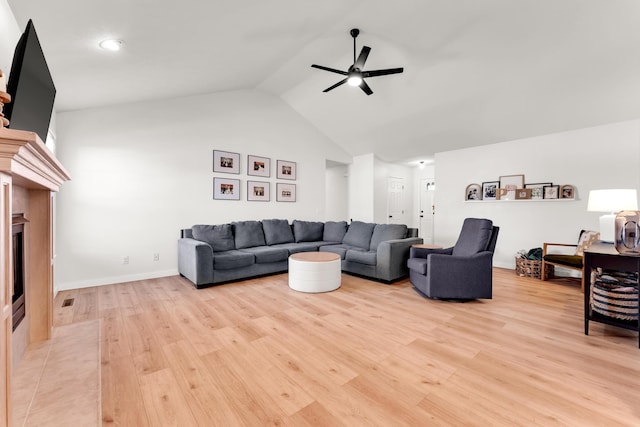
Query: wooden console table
[{"x": 606, "y": 256}]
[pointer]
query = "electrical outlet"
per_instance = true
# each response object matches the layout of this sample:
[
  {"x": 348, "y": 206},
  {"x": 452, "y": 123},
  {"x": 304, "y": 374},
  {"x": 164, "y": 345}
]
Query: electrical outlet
[
  {"x": 125, "y": 260},
  {"x": 156, "y": 257}
]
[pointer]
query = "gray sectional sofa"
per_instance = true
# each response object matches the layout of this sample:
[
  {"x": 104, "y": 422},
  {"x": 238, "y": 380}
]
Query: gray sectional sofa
[{"x": 211, "y": 254}]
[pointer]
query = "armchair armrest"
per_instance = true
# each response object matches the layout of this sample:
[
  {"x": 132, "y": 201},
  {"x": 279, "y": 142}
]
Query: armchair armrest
[
  {"x": 546, "y": 244},
  {"x": 195, "y": 261},
  {"x": 424, "y": 252}
]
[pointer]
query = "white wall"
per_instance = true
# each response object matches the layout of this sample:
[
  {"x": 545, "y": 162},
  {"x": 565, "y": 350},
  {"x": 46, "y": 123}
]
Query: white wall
[
  {"x": 592, "y": 158},
  {"x": 141, "y": 172},
  {"x": 361, "y": 188},
  {"x": 337, "y": 193}
]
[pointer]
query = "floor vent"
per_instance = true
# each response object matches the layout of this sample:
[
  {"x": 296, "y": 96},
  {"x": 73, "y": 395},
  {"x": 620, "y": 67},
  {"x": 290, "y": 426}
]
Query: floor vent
[{"x": 68, "y": 302}]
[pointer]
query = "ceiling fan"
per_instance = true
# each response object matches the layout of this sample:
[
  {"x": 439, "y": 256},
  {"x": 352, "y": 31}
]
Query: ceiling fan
[{"x": 355, "y": 75}]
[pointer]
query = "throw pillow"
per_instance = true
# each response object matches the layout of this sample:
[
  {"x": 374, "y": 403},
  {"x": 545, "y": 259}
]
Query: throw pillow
[
  {"x": 359, "y": 234},
  {"x": 248, "y": 234},
  {"x": 334, "y": 231},
  {"x": 277, "y": 231},
  {"x": 220, "y": 237},
  {"x": 307, "y": 231},
  {"x": 586, "y": 239}
]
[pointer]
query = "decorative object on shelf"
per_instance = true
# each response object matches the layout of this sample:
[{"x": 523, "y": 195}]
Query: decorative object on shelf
[
  {"x": 226, "y": 189},
  {"x": 490, "y": 190},
  {"x": 285, "y": 192},
  {"x": 258, "y": 191},
  {"x": 551, "y": 191},
  {"x": 508, "y": 186},
  {"x": 523, "y": 194},
  {"x": 567, "y": 191},
  {"x": 226, "y": 162},
  {"x": 5, "y": 98},
  {"x": 537, "y": 189},
  {"x": 473, "y": 192},
  {"x": 627, "y": 232},
  {"x": 286, "y": 170},
  {"x": 258, "y": 166},
  {"x": 611, "y": 201}
]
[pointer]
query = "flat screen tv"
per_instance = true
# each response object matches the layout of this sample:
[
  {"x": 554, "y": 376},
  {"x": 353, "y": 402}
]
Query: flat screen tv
[{"x": 30, "y": 86}]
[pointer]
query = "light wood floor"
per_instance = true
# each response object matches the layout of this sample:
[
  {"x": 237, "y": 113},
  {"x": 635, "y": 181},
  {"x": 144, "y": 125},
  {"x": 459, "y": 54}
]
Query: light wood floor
[{"x": 256, "y": 353}]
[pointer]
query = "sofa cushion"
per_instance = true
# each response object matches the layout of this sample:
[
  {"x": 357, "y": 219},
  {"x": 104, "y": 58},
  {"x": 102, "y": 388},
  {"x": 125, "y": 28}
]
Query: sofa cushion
[
  {"x": 359, "y": 234},
  {"x": 294, "y": 248},
  {"x": 384, "y": 232},
  {"x": 220, "y": 237},
  {"x": 307, "y": 231},
  {"x": 362, "y": 257},
  {"x": 230, "y": 260},
  {"x": 248, "y": 234},
  {"x": 336, "y": 249},
  {"x": 570, "y": 260},
  {"x": 266, "y": 254},
  {"x": 334, "y": 231},
  {"x": 277, "y": 231},
  {"x": 474, "y": 237}
]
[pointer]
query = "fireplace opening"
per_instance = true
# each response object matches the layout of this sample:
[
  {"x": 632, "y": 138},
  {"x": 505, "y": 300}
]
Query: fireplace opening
[{"x": 18, "y": 306}]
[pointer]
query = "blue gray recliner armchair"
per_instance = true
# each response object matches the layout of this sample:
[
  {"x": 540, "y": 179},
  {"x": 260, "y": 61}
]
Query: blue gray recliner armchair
[{"x": 463, "y": 271}]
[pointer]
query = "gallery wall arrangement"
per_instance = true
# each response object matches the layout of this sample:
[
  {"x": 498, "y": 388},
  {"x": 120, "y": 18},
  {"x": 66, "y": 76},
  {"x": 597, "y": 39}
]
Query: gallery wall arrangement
[
  {"x": 257, "y": 166},
  {"x": 513, "y": 187}
]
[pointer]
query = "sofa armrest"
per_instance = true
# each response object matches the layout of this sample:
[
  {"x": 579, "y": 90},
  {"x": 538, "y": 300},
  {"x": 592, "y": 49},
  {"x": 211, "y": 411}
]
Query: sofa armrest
[
  {"x": 195, "y": 261},
  {"x": 454, "y": 277},
  {"x": 391, "y": 257}
]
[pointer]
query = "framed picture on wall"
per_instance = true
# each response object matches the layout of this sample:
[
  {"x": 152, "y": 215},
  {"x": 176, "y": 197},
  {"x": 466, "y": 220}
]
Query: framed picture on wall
[
  {"x": 551, "y": 191},
  {"x": 258, "y": 166},
  {"x": 286, "y": 170},
  {"x": 226, "y": 162},
  {"x": 258, "y": 191},
  {"x": 567, "y": 192},
  {"x": 537, "y": 189},
  {"x": 226, "y": 189},
  {"x": 285, "y": 192},
  {"x": 523, "y": 194},
  {"x": 473, "y": 192},
  {"x": 508, "y": 186},
  {"x": 490, "y": 190}
]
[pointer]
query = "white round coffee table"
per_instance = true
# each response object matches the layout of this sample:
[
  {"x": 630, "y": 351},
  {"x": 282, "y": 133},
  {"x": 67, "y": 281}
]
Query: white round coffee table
[{"x": 314, "y": 272}]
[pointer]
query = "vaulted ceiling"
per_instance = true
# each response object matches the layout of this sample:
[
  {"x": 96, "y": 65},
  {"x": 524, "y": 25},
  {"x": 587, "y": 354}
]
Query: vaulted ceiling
[{"x": 476, "y": 72}]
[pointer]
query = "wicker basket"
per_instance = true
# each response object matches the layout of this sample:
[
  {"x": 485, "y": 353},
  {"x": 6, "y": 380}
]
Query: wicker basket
[
  {"x": 615, "y": 295},
  {"x": 528, "y": 268}
]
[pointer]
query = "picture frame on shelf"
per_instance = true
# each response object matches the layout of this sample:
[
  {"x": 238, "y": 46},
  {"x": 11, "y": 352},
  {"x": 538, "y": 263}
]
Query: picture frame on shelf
[
  {"x": 567, "y": 191},
  {"x": 490, "y": 190},
  {"x": 226, "y": 162},
  {"x": 508, "y": 186},
  {"x": 537, "y": 189},
  {"x": 226, "y": 189},
  {"x": 285, "y": 192},
  {"x": 286, "y": 170},
  {"x": 551, "y": 191},
  {"x": 473, "y": 192},
  {"x": 258, "y": 191},
  {"x": 258, "y": 166},
  {"x": 523, "y": 194}
]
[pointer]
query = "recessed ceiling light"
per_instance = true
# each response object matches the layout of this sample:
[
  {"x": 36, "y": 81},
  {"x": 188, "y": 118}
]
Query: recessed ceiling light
[{"x": 113, "y": 45}]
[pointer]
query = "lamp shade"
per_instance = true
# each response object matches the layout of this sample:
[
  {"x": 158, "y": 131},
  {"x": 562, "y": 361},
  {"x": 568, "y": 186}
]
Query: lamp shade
[{"x": 614, "y": 200}]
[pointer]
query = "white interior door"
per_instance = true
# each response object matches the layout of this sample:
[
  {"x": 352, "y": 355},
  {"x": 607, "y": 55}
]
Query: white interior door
[
  {"x": 427, "y": 209},
  {"x": 395, "y": 201}
]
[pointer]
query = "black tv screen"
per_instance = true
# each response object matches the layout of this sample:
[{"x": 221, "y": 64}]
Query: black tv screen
[{"x": 30, "y": 86}]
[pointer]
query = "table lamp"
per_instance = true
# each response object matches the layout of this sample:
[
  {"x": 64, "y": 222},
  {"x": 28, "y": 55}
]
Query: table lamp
[{"x": 612, "y": 202}]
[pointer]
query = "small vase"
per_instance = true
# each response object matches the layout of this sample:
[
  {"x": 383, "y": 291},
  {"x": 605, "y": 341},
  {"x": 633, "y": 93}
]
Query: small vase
[{"x": 627, "y": 232}]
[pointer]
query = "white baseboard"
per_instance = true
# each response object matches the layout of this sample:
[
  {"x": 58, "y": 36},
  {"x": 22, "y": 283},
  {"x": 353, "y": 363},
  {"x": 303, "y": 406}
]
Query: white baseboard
[{"x": 113, "y": 280}]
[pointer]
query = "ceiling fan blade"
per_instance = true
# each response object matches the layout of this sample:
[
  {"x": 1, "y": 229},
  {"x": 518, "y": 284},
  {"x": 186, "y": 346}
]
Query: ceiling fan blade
[
  {"x": 375, "y": 73},
  {"x": 333, "y": 70},
  {"x": 341, "y": 82},
  {"x": 362, "y": 58},
  {"x": 365, "y": 88}
]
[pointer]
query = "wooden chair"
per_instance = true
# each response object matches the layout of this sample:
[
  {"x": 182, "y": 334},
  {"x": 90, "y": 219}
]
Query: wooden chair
[{"x": 572, "y": 262}]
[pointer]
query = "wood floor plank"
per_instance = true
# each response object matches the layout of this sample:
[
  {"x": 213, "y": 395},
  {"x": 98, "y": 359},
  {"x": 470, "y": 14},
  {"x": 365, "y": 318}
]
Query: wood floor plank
[{"x": 256, "y": 352}]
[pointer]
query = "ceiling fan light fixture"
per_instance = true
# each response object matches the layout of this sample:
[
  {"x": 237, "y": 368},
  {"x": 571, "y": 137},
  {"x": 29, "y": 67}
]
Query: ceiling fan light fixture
[{"x": 354, "y": 80}]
